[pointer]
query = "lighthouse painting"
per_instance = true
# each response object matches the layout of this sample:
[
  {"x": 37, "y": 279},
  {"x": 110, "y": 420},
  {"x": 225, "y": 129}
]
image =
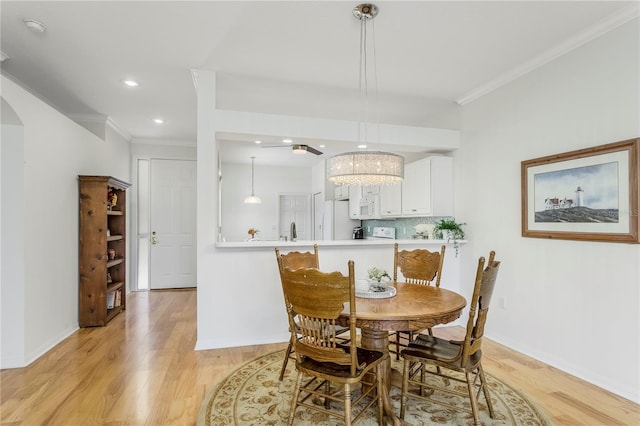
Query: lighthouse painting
[
  {"x": 582, "y": 194},
  {"x": 589, "y": 194}
]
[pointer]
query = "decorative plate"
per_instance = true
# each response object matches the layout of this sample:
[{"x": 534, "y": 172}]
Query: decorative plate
[{"x": 377, "y": 291}]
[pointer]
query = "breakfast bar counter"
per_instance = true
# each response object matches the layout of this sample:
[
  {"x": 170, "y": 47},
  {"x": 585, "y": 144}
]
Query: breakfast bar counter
[{"x": 302, "y": 245}]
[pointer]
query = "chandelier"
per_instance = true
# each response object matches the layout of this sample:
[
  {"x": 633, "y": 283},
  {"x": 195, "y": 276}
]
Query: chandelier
[{"x": 365, "y": 167}]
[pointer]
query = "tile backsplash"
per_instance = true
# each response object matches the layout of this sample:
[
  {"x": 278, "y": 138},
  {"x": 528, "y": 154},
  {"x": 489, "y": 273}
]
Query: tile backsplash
[{"x": 404, "y": 226}]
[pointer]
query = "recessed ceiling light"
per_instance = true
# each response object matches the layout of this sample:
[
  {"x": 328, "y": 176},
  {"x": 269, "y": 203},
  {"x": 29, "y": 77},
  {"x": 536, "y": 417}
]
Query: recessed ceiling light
[
  {"x": 34, "y": 25},
  {"x": 158, "y": 120},
  {"x": 131, "y": 83},
  {"x": 287, "y": 141},
  {"x": 258, "y": 142},
  {"x": 362, "y": 146},
  {"x": 322, "y": 146}
]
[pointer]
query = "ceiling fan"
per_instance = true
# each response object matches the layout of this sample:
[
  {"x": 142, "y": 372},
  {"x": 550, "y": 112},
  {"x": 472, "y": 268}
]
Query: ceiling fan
[{"x": 297, "y": 148}]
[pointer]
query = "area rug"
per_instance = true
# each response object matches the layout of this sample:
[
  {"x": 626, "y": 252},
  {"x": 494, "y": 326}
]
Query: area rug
[{"x": 253, "y": 395}]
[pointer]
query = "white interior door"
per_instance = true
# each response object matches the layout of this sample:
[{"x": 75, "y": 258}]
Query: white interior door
[
  {"x": 296, "y": 208},
  {"x": 173, "y": 224}
]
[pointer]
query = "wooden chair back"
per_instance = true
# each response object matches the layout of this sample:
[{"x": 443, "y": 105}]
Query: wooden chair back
[
  {"x": 419, "y": 266},
  {"x": 479, "y": 307},
  {"x": 318, "y": 298},
  {"x": 297, "y": 260}
]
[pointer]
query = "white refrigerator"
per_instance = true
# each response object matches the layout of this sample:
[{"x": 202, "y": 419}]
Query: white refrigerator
[{"x": 336, "y": 224}]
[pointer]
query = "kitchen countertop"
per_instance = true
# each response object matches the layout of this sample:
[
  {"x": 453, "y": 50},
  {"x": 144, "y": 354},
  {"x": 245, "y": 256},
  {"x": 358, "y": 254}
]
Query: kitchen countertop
[{"x": 334, "y": 243}]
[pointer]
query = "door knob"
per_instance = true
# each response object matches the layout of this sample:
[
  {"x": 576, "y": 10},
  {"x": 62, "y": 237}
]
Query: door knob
[{"x": 154, "y": 239}]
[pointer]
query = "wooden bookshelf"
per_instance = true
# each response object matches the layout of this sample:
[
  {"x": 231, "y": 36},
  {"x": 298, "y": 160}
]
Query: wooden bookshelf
[{"x": 102, "y": 230}]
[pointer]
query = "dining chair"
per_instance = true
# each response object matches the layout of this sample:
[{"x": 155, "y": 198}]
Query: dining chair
[
  {"x": 296, "y": 260},
  {"x": 419, "y": 266},
  {"x": 330, "y": 370},
  {"x": 464, "y": 356}
]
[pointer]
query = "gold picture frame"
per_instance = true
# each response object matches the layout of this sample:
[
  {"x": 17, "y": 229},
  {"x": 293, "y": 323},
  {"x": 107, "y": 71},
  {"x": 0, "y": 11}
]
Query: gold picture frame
[{"x": 589, "y": 194}]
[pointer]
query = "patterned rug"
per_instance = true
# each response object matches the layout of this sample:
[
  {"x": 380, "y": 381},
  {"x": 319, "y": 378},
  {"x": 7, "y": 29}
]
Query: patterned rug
[{"x": 253, "y": 395}]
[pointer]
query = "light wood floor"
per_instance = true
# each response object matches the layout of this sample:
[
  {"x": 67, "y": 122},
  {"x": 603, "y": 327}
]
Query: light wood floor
[{"x": 142, "y": 370}]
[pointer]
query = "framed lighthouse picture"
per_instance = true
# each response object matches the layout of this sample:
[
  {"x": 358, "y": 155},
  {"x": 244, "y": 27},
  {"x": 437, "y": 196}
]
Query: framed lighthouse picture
[{"x": 589, "y": 194}]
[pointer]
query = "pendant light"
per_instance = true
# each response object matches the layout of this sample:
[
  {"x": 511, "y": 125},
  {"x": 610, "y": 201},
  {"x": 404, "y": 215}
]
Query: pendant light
[
  {"x": 252, "y": 199},
  {"x": 365, "y": 167}
]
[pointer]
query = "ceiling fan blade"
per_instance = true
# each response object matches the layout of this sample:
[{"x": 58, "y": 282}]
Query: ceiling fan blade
[
  {"x": 295, "y": 147},
  {"x": 313, "y": 150}
]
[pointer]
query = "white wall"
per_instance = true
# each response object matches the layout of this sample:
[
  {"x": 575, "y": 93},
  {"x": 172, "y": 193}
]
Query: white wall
[
  {"x": 56, "y": 151},
  {"x": 270, "y": 182},
  {"x": 12, "y": 309},
  {"x": 571, "y": 304},
  {"x": 165, "y": 149}
]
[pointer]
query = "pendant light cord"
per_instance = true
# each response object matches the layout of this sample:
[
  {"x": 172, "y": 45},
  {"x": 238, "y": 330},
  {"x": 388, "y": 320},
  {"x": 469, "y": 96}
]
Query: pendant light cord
[
  {"x": 363, "y": 81},
  {"x": 363, "y": 86},
  {"x": 252, "y": 191}
]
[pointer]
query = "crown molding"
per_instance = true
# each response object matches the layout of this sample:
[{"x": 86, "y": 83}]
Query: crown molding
[
  {"x": 600, "y": 28},
  {"x": 101, "y": 119},
  {"x": 119, "y": 130},
  {"x": 89, "y": 118},
  {"x": 163, "y": 142}
]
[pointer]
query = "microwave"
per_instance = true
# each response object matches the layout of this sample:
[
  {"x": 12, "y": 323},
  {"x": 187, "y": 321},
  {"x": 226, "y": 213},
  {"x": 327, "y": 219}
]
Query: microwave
[{"x": 370, "y": 207}]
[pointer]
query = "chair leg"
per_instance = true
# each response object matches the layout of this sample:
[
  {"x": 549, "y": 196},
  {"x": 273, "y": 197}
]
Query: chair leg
[
  {"x": 286, "y": 360},
  {"x": 485, "y": 390},
  {"x": 472, "y": 397},
  {"x": 327, "y": 390},
  {"x": 347, "y": 404},
  {"x": 380, "y": 385},
  {"x": 405, "y": 387},
  {"x": 423, "y": 377},
  {"x": 294, "y": 400}
]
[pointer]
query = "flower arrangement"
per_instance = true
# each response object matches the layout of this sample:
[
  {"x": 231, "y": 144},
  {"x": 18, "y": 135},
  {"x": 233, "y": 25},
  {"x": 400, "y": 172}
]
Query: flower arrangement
[
  {"x": 425, "y": 229},
  {"x": 253, "y": 232},
  {"x": 377, "y": 274}
]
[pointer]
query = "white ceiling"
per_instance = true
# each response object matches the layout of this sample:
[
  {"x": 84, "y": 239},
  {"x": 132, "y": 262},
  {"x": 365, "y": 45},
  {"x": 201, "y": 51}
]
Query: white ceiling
[{"x": 296, "y": 58}]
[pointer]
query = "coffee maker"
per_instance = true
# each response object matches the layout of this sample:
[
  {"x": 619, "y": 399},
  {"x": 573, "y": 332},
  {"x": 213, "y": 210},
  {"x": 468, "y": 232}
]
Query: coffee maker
[{"x": 358, "y": 233}]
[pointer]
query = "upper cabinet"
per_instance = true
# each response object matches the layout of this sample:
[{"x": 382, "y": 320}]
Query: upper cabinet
[
  {"x": 391, "y": 200},
  {"x": 370, "y": 190},
  {"x": 427, "y": 189},
  {"x": 341, "y": 192},
  {"x": 355, "y": 195}
]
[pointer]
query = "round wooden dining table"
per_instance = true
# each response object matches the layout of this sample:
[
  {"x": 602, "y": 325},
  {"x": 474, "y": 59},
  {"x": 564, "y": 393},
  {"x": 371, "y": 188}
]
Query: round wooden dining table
[{"x": 414, "y": 307}]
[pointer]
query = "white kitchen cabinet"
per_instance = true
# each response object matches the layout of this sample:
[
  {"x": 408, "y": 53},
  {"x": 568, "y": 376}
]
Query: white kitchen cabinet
[
  {"x": 370, "y": 190},
  {"x": 341, "y": 192},
  {"x": 427, "y": 189},
  {"x": 355, "y": 195},
  {"x": 391, "y": 200}
]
